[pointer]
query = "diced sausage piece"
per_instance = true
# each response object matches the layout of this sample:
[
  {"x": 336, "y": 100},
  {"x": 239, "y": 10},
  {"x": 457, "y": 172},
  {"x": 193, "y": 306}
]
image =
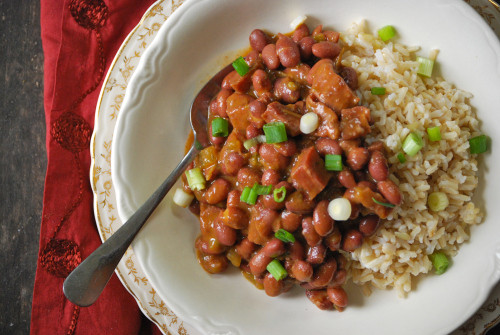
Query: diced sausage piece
[
  {"x": 286, "y": 90},
  {"x": 236, "y": 82},
  {"x": 271, "y": 158},
  {"x": 320, "y": 299},
  {"x": 329, "y": 87},
  {"x": 355, "y": 122},
  {"x": 329, "y": 125},
  {"x": 238, "y": 110},
  {"x": 309, "y": 173},
  {"x": 277, "y": 112},
  {"x": 260, "y": 229},
  {"x": 364, "y": 195},
  {"x": 298, "y": 73}
]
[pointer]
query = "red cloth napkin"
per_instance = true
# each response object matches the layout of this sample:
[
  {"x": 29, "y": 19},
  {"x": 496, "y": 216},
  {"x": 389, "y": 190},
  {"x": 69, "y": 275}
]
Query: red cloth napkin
[{"x": 80, "y": 39}]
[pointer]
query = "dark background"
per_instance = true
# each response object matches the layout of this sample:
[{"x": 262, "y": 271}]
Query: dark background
[{"x": 23, "y": 160}]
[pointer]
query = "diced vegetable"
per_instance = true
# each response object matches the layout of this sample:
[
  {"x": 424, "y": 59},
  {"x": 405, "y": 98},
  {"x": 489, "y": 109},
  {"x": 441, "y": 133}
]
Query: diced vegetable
[
  {"x": 262, "y": 190},
  {"x": 245, "y": 193},
  {"x": 439, "y": 261},
  {"x": 250, "y": 143},
  {"x": 279, "y": 194},
  {"x": 241, "y": 66},
  {"x": 181, "y": 198},
  {"x": 220, "y": 127},
  {"x": 385, "y": 204},
  {"x": 277, "y": 270},
  {"x": 378, "y": 90},
  {"x": 275, "y": 132},
  {"x": 434, "y": 133},
  {"x": 437, "y": 201},
  {"x": 478, "y": 144},
  {"x": 297, "y": 22},
  {"x": 250, "y": 194},
  {"x": 340, "y": 209},
  {"x": 401, "y": 157},
  {"x": 309, "y": 122},
  {"x": 412, "y": 144},
  {"x": 333, "y": 162},
  {"x": 386, "y": 33},
  {"x": 425, "y": 66},
  {"x": 284, "y": 235},
  {"x": 195, "y": 179}
]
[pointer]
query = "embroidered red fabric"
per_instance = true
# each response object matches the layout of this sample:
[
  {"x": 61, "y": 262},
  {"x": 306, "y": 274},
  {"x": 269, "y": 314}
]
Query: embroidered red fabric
[{"x": 80, "y": 39}]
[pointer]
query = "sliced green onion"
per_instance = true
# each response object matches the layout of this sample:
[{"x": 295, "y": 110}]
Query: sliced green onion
[
  {"x": 439, "y": 261},
  {"x": 276, "y": 270},
  {"x": 261, "y": 189},
  {"x": 241, "y": 66},
  {"x": 285, "y": 236},
  {"x": 401, "y": 157},
  {"x": 386, "y": 33},
  {"x": 425, "y": 66},
  {"x": 181, "y": 198},
  {"x": 478, "y": 144},
  {"x": 279, "y": 194},
  {"x": 195, "y": 179},
  {"x": 333, "y": 162},
  {"x": 378, "y": 90},
  {"x": 249, "y": 195},
  {"x": 250, "y": 143},
  {"x": 245, "y": 193},
  {"x": 275, "y": 132},
  {"x": 434, "y": 134},
  {"x": 437, "y": 201},
  {"x": 385, "y": 204},
  {"x": 412, "y": 144},
  {"x": 220, "y": 127}
]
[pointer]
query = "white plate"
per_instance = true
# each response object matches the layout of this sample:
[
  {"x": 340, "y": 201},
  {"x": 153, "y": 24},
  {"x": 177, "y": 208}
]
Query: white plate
[{"x": 152, "y": 128}]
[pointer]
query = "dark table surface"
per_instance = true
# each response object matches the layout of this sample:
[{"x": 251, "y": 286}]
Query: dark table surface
[{"x": 23, "y": 160}]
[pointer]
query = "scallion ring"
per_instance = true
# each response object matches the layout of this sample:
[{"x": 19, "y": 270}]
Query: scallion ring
[{"x": 279, "y": 194}]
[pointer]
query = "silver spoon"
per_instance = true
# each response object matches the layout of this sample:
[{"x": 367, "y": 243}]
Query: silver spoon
[{"x": 86, "y": 282}]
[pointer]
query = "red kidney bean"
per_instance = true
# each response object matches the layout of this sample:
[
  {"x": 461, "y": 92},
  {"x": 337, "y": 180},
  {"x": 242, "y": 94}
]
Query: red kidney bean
[
  {"x": 286, "y": 90},
  {"x": 234, "y": 217},
  {"x": 300, "y": 32},
  {"x": 357, "y": 158},
  {"x": 346, "y": 178},
  {"x": 270, "y": 177},
  {"x": 290, "y": 221},
  {"x": 350, "y": 77},
  {"x": 316, "y": 254},
  {"x": 368, "y": 225},
  {"x": 376, "y": 146},
  {"x": 288, "y": 51},
  {"x": 217, "y": 141},
  {"x": 252, "y": 131},
  {"x": 213, "y": 263},
  {"x": 295, "y": 251},
  {"x": 310, "y": 234},
  {"x": 233, "y": 199},
  {"x": 320, "y": 299},
  {"x": 271, "y": 158},
  {"x": 341, "y": 261},
  {"x": 269, "y": 202},
  {"x": 225, "y": 234},
  {"x": 248, "y": 177},
  {"x": 390, "y": 191},
  {"x": 245, "y": 248},
  {"x": 365, "y": 183},
  {"x": 258, "y": 39},
  {"x": 326, "y": 49},
  {"x": 270, "y": 57},
  {"x": 322, "y": 221},
  {"x": 253, "y": 58},
  {"x": 378, "y": 167},
  {"x": 338, "y": 296},
  {"x": 258, "y": 263},
  {"x": 302, "y": 271},
  {"x": 355, "y": 210},
  {"x": 323, "y": 275},
  {"x": 236, "y": 82},
  {"x": 305, "y": 47},
  {"x": 333, "y": 240},
  {"x": 261, "y": 81},
  {"x": 272, "y": 287},
  {"x": 232, "y": 163},
  {"x": 297, "y": 203},
  {"x": 332, "y": 36},
  {"x": 217, "y": 191},
  {"x": 339, "y": 278},
  {"x": 327, "y": 146},
  {"x": 218, "y": 105},
  {"x": 257, "y": 108},
  {"x": 348, "y": 145},
  {"x": 352, "y": 240},
  {"x": 274, "y": 248},
  {"x": 287, "y": 148},
  {"x": 209, "y": 246},
  {"x": 317, "y": 30}
]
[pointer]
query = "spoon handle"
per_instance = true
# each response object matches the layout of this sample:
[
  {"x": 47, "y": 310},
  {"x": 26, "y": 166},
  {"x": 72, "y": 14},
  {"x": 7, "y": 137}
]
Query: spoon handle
[{"x": 85, "y": 283}]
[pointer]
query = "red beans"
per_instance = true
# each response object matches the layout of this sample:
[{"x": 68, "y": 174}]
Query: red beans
[
  {"x": 378, "y": 168},
  {"x": 290, "y": 221},
  {"x": 233, "y": 198},
  {"x": 323, "y": 275},
  {"x": 297, "y": 203},
  {"x": 327, "y": 146},
  {"x": 286, "y": 90},
  {"x": 310, "y": 234},
  {"x": 245, "y": 249},
  {"x": 288, "y": 51},
  {"x": 218, "y": 105},
  {"x": 225, "y": 234},
  {"x": 295, "y": 251},
  {"x": 261, "y": 81},
  {"x": 390, "y": 191},
  {"x": 272, "y": 287},
  {"x": 248, "y": 177},
  {"x": 357, "y": 158},
  {"x": 213, "y": 263},
  {"x": 337, "y": 296},
  {"x": 305, "y": 47},
  {"x": 339, "y": 278},
  {"x": 320, "y": 299},
  {"x": 274, "y": 248},
  {"x": 369, "y": 224},
  {"x": 323, "y": 223},
  {"x": 300, "y": 32},
  {"x": 270, "y": 57},
  {"x": 326, "y": 49},
  {"x": 350, "y": 77},
  {"x": 232, "y": 163},
  {"x": 258, "y": 263},
  {"x": 333, "y": 240},
  {"x": 218, "y": 191},
  {"x": 346, "y": 178},
  {"x": 352, "y": 240},
  {"x": 316, "y": 254},
  {"x": 258, "y": 39},
  {"x": 252, "y": 131},
  {"x": 270, "y": 177},
  {"x": 271, "y": 158},
  {"x": 302, "y": 271},
  {"x": 234, "y": 217}
]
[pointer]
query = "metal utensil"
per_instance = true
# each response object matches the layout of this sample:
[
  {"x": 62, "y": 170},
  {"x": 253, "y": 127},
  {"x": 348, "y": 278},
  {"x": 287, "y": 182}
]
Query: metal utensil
[{"x": 86, "y": 282}]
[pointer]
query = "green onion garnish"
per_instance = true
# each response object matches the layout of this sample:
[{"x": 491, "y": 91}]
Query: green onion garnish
[
  {"x": 378, "y": 90},
  {"x": 245, "y": 193},
  {"x": 401, "y": 157},
  {"x": 437, "y": 201},
  {"x": 241, "y": 66},
  {"x": 478, "y": 144},
  {"x": 261, "y": 189},
  {"x": 275, "y": 132},
  {"x": 285, "y": 236},
  {"x": 386, "y": 33},
  {"x": 434, "y": 133},
  {"x": 250, "y": 143},
  {"x": 276, "y": 270},
  {"x": 412, "y": 144},
  {"x": 385, "y": 204},
  {"x": 425, "y": 66},
  {"x": 220, "y": 127},
  {"x": 279, "y": 194},
  {"x": 333, "y": 162},
  {"x": 252, "y": 196},
  {"x": 439, "y": 261},
  {"x": 195, "y": 179}
]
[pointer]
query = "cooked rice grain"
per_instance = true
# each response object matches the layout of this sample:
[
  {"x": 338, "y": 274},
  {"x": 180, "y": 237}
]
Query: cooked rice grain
[{"x": 400, "y": 249}]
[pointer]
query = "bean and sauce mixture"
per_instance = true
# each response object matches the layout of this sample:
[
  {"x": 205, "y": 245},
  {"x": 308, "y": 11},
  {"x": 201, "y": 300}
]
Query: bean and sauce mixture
[{"x": 289, "y": 186}]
